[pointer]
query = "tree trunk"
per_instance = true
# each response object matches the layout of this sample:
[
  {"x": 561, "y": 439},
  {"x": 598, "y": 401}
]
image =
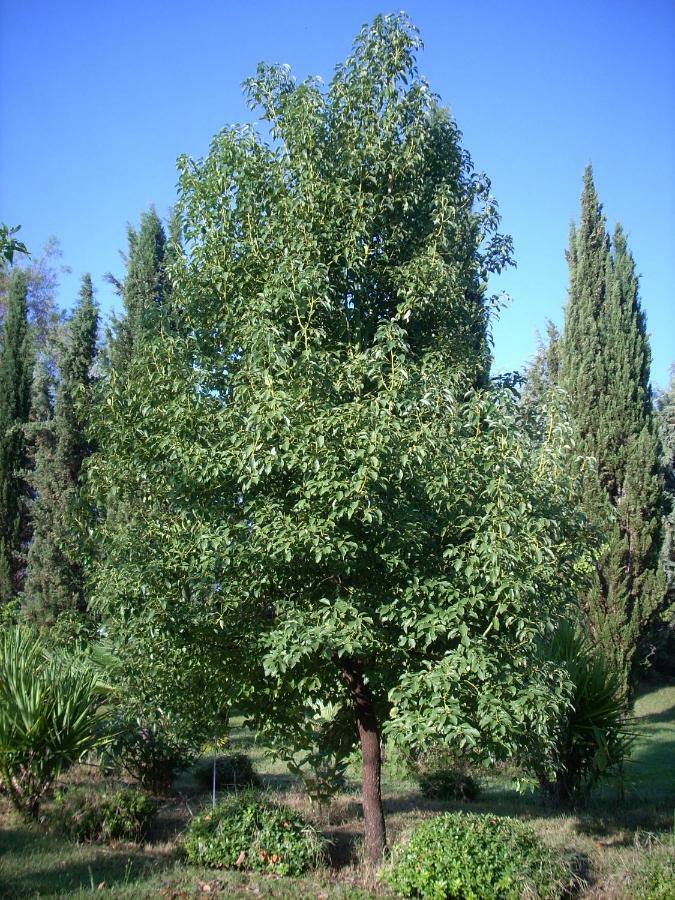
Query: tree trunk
[{"x": 369, "y": 736}]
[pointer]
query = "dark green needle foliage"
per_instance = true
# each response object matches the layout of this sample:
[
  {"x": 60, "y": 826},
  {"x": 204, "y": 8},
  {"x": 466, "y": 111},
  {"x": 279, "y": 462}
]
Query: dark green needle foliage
[
  {"x": 665, "y": 655},
  {"x": 605, "y": 360},
  {"x": 143, "y": 290},
  {"x": 15, "y": 381},
  {"x": 55, "y": 582}
]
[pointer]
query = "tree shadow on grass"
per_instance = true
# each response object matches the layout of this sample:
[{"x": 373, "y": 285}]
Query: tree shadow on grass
[
  {"x": 666, "y": 715},
  {"x": 33, "y": 864}
]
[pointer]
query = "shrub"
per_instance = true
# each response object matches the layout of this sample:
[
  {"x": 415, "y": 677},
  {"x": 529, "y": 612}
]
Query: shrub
[
  {"x": 251, "y": 833},
  {"x": 592, "y": 735},
  {"x": 87, "y": 815},
  {"x": 232, "y": 771},
  {"x": 50, "y": 716},
  {"x": 461, "y": 855},
  {"x": 441, "y": 775},
  {"x": 448, "y": 784},
  {"x": 149, "y": 748}
]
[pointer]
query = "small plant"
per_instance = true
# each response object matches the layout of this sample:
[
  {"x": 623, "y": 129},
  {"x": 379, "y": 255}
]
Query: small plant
[
  {"x": 149, "y": 748},
  {"x": 252, "y": 833},
  {"x": 51, "y": 715},
  {"x": 87, "y": 815},
  {"x": 232, "y": 771},
  {"x": 467, "y": 857}
]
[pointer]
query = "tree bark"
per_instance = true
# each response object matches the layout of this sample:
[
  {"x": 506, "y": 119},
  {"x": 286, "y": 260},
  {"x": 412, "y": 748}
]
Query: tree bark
[{"x": 375, "y": 835}]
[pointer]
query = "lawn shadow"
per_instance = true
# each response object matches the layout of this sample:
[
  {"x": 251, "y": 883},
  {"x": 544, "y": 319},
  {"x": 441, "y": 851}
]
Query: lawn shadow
[
  {"x": 666, "y": 715},
  {"x": 44, "y": 873}
]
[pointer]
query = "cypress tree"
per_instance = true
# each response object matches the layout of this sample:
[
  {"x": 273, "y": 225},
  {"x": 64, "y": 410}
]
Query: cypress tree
[
  {"x": 665, "y": 655},
  {"x": 605, "y": 361},
  {"x": 54, "y": 582},
  {"x": 15, "y": 380},
  {"x": 142, "y": 292}
]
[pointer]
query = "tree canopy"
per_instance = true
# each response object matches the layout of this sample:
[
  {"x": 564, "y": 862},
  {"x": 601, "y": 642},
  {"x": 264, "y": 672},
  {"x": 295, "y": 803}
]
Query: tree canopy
[{"x": 338, "y": 512}]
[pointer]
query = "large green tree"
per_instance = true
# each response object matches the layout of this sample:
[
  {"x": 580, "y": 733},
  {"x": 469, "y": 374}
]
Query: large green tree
[
  {"x": 15, "y": 382},
  {"x": 605, "y": 363},
  {"x": 338, "y": 517},
  {"x": 665, "y": 660},
  {"x": 54, "y": 580}
]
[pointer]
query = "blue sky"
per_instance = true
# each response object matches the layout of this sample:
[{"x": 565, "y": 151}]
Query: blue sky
[{"x": 97, "y": 99}]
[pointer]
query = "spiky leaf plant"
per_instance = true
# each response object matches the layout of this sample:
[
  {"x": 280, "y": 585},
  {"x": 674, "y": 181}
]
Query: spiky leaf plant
[{"x": 51, "y": 714}]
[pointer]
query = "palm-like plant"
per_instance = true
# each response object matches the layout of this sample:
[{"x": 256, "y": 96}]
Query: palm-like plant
[
  {"x": 51, "y": 714},
  {"x": 593, "y": 734}
]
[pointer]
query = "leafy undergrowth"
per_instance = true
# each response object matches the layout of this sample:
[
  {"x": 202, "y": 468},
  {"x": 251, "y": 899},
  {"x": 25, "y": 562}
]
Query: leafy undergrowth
[{"x": 619, "y": 850}]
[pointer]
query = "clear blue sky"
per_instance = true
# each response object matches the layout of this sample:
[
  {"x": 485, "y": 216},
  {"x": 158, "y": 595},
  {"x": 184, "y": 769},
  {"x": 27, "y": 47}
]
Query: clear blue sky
[{"x": 97, "y": 99}]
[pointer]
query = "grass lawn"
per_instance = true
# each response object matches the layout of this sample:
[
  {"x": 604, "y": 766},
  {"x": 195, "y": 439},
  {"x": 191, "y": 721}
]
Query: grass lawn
[{"x": 612, "y": 841}]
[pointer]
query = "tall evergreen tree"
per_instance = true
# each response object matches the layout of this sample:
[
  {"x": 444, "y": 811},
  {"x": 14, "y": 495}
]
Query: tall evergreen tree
[
  {"x": 142, "y": 291},
  {"x": 54, "y": 581},
  {"x": 605, "y": 360},
  {"x": 665, "y": 657},
  {"x": 15, "y": 380}
]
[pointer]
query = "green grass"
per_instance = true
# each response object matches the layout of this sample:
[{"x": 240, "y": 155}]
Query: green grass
[
  {"x": 613, "y": 842},
  {"x": 651, "y": 771}
]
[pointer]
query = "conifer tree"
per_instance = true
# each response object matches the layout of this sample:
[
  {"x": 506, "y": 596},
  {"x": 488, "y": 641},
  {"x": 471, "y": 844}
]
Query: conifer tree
[
  {"x": 544, "y": 370},
  {"x": 15, "y": 379},
  {"x": 665, "y": 657},
  {"x": 605, "y": 361},
  {"x": 142, "y": 290},
  {"x": 54, "y": 582}
]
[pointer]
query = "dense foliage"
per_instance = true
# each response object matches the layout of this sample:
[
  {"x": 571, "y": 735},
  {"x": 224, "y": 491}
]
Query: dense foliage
[
  {"x": 50, "y": 716},
  {"x": 16, "y": 362},
  {"x": 334, "y": 506},
  {"x": 55, "y": 579},
  {"x": 92, "y": 815},
  {"x": 604, "y": 367},
  {"x": 467, "y": 856},
  {"x": 251, "y": 833}
]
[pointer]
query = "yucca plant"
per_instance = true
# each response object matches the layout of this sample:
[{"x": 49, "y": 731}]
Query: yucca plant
[
  {"x": 51, "y": 714},
  {"x": 593, "y": 733}
]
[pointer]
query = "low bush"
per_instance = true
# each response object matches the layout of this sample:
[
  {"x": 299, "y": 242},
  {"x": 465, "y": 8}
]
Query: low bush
[
  {"x": 471, "y": 857},
  {"x": 232, "y": 771},
  {"x": 448, "y": 784},
  {"x": 88, "y": 815},
  {"x": 150, "y": 748},
  {"x": 252, "y": 833}
]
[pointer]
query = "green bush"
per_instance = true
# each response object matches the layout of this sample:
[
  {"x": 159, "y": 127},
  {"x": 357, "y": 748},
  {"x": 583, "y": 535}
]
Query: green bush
[
  {"x": 232, "y": 771},
  {"x": 251, "y": 833},
  {"x": 88, "y": 815},
  {"x": 476, "y": 857},
  {"x": 50, "y": 716},
  {"x": 150, "y": 748},
  {"x": 448, "y": 784}
]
